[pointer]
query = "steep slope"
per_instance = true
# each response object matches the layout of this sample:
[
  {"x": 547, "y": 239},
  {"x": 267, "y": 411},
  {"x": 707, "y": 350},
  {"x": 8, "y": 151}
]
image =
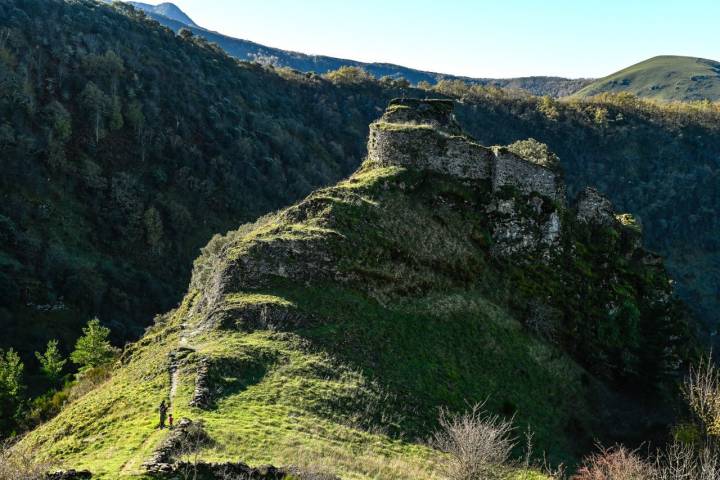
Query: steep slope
[
  {"x": 665, "y": 78},
  {"x": 255, "y": 52},
  {"x": 440, "y": 273},
  {"x": 167, "y": 10}
]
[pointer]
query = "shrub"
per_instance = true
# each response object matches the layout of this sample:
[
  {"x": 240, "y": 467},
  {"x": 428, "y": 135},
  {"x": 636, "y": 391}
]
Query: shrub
[
  {"x": 349, "y": 75},
  {"x": 617, "y": 463},
  {"x": 17, "y": 462},
  {"x": 684, "y": 462},
  {"x": 477, "y": 444},
  {"x": 702, "y": 395}
]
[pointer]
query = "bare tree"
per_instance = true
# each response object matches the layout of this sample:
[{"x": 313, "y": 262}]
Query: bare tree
[
  {"x": 478, "y": 444},
  {"x": 684, "y": 462},
  {"x": 702, "y": 394}
]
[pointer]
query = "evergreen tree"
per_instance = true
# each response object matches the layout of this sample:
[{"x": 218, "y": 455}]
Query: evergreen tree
[
  {"x": 51, "y": 362},
  {"x": 11, "y": 371},
  {"x": 93, "y": 349}
]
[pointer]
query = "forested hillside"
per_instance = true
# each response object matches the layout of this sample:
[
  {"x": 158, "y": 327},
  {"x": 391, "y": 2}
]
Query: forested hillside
[{"x": 125, "y": 147}]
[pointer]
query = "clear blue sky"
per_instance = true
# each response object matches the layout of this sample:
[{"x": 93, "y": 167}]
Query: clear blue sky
[{"x": 481, "y": 38}]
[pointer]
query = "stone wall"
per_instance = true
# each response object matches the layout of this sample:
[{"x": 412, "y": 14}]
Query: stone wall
[
  {"x": 426, "y": 148},
  {"x": 423, "y": 134},
  {"x": 509, "y": 169}
]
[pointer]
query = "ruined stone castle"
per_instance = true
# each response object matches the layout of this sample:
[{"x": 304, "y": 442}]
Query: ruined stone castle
[{"x": 423, "y": 134}]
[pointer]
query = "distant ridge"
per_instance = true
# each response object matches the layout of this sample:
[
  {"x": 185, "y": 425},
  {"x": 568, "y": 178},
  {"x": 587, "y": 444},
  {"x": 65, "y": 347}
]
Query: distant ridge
[
  {"x": 666, "y": 78},
  {"x": 173, "y": 17}
]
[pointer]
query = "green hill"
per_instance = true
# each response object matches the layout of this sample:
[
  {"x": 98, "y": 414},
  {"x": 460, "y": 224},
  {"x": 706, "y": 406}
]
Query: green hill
[
  {"x": 441, "y": 273},
  {"x": 665, "y": 78}
]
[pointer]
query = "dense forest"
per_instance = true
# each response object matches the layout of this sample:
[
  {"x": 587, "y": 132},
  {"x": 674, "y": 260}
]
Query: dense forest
[{"x": 125, "y": 147}]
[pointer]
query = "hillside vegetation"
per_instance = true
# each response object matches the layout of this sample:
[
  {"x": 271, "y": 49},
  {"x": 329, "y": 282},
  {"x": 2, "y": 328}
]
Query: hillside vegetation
[
  {"x": 326, "y": 335},
  {"x": 665, "y": 78},
  {"x": 126, "y": 147}
]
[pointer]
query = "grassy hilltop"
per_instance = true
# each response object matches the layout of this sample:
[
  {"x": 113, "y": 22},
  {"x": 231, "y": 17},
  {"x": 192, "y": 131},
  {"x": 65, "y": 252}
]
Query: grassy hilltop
[
  {"x": 666, "y": 78},
  {"x": 326, "y": 335}
]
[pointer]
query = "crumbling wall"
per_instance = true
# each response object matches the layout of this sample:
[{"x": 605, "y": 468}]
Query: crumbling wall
[
  {"x": 425, "y": 148},
  {"x": 528, "y": 177},
  {"x": 423, "y": 134}
]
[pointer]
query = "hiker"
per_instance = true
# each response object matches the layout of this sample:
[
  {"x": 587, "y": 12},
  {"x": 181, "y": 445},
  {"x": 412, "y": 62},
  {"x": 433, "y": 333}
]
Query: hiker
[
  {"x": 163, "y": 411},
  {"x": 170, "y": 421}
]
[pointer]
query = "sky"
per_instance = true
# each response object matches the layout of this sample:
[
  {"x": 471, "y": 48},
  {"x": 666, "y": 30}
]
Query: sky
[{"x": 480, "y": 38}]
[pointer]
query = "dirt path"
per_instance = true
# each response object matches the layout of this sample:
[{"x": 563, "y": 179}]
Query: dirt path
[{"x": 133, "y": 466}]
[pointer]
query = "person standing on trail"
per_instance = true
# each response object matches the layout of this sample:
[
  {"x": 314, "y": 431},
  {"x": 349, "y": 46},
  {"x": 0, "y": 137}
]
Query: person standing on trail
[
  {"x": 163, "y": 412},
  {"x": 170, "y": 421}
]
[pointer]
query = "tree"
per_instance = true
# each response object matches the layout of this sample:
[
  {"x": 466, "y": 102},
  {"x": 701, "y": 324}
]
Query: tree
[
  {"x": 477, "y": 444},
  {"x": 548, "y": 107},
  {"x": 93, "y": 349},
  {"x": 51, "y": 362},
  {"x": 601, "y": 116},
  {"x": 95, "y": 101},
  {"x": 11, "y": 371},
  {"x": 153, "y": 229},
  {"x": 349, "y": 75}
]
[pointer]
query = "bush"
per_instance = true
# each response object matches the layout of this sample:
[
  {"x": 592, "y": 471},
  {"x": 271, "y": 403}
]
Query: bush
[
  {"x": 349, "y": 75},
  {"x": 617, "y": 463},
  {"x": 477, "y": 444},
  {"x": 18, "y": 462},
  {"x": 684, "y": 462}
]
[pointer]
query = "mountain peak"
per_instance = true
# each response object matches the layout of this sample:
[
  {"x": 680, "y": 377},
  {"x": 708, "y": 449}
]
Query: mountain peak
[{"x": 167, "y": 10}]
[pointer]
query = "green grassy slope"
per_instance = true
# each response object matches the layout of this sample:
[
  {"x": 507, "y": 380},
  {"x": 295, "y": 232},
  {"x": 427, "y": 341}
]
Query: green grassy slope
[
  {"x": 377, "y": 302},
  {"x": 664, "y": 78}
]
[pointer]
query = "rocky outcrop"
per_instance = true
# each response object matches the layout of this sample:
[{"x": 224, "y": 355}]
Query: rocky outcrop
[
  {"x": 593, "y": 207},
  {"x": 523, "y": 225}
]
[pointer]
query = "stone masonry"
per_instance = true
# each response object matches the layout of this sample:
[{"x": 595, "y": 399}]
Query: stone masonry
[{"x": 423, "y": 134}]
